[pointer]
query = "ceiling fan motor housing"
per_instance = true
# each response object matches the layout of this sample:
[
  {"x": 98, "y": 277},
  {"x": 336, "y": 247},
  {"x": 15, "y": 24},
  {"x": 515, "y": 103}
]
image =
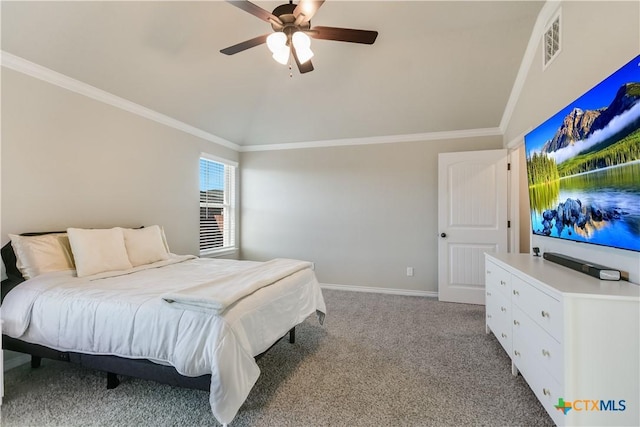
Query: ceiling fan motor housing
[{"x": 285, "y": 13}]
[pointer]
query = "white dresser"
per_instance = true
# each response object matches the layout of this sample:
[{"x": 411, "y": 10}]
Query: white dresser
[{"x": 571, "y": 336}]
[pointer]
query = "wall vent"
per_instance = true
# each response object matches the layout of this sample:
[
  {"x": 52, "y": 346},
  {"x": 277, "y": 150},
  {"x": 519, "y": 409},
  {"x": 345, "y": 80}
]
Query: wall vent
[{"x": 551, "y": 41}]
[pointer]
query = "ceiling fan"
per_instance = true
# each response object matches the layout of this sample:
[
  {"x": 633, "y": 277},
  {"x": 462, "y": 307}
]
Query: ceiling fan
[{"x": 292, "y": 27}]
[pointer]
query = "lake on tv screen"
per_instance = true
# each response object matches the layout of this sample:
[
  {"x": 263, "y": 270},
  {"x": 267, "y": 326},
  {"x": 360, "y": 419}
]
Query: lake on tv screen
[{"x": 600, "y": 207}]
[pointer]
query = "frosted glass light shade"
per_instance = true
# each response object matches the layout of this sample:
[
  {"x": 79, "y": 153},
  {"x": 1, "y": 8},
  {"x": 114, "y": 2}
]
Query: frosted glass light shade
[
  {"x": 282, "y": 55},
  {"x": 276, "y": 42},
  {"x": 302, "y": 43},
  {"x": 304, "y": 54},
  {"x": 301, "y": 40}
]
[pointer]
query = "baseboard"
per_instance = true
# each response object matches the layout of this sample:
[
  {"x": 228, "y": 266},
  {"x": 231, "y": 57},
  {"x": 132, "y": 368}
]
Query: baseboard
[
  {"x": 370, "y": 289},
  {"x": 14, "y": 361}
]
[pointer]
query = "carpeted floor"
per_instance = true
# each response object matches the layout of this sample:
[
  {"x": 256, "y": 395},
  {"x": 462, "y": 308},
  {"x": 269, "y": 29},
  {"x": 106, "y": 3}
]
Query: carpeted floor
[{"x": 378, "y": 360}]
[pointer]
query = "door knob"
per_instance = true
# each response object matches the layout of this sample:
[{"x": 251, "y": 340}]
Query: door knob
[{"x": 443, "y": 234}]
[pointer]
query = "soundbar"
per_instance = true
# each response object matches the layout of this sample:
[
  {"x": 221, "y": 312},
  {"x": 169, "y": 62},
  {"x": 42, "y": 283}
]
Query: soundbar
[{"x": 598, "y": 271}]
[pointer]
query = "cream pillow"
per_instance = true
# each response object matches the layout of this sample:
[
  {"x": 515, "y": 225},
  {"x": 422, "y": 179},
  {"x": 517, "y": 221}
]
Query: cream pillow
[
  {"x": 98, "y": 250},
  {"x": 42, "y": 254},
  {"x": 145, "y": 245}
]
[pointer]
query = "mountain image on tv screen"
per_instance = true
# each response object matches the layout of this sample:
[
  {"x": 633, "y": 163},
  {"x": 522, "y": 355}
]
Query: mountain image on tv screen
[{"x": 583, "y": 166}]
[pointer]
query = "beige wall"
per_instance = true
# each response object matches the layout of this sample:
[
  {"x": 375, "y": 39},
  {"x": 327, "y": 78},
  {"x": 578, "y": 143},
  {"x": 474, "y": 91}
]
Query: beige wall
[
  {"x": 68, "y": 160},
  {"x": 597, "y": 39},
  {"x": 362, "y": 213}
]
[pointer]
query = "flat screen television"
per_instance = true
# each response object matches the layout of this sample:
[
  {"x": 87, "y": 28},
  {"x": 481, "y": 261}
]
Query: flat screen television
[{"x": 583, "y": 166}]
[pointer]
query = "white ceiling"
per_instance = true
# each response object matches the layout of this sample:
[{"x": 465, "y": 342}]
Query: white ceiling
[{"x": 435, "y": 67}]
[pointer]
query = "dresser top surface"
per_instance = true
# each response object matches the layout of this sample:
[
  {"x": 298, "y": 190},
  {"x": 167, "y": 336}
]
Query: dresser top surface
[{"x": 564, "y": 279}]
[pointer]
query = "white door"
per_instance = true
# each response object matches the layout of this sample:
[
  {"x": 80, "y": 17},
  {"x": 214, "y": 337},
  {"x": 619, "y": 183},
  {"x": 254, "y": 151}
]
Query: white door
[{"x": 472, "y": 220}]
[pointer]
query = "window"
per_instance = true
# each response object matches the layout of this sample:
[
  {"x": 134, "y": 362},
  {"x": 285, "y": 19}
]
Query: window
[{"x": 217, "y": 205}]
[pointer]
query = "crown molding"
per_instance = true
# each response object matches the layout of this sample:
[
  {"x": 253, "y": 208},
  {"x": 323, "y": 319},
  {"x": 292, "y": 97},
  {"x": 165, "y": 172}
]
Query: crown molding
[
  {"x": 546, "y": 13},
  {"x": 390, "y": 139},
  {"x": 32, "y": 69}
]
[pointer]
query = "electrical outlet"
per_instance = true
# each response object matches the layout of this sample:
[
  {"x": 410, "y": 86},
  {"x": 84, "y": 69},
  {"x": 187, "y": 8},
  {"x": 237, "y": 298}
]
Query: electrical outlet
[{"x": 410, "y": 271}]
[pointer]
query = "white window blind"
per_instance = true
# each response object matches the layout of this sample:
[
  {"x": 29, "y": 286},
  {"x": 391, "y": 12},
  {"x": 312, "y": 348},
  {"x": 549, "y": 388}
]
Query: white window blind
[{"x": 217, "y": 206}]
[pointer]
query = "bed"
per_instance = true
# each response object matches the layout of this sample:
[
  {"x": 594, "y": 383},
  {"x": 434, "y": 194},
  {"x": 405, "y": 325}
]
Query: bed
[{"x": 187, "y": 321}]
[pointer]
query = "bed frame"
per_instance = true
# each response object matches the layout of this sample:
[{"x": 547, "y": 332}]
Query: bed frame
[{"x": 112, "y": 365}]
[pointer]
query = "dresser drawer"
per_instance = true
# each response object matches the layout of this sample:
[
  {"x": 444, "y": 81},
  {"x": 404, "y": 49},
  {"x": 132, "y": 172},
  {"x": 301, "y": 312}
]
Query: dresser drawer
[
  {"x": 498, "y": 312},
  {"x": 543, "y": 385},
  {"x": 498, "y": 278},
  {"x": 541, "y": 348},
  {"x": 543, "y": 309},
  {"x": 492, "y": 309}
]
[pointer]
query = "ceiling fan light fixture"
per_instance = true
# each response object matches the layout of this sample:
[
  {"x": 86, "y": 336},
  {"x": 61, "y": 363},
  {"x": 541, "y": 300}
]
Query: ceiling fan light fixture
[
  {"x": 304, "y": 54},
  {"x": 277, "y": 42},
  {"x": 302, "y": 43},
  {"x": 282, "y": 55},
  {"x": 301, "y": 40}
]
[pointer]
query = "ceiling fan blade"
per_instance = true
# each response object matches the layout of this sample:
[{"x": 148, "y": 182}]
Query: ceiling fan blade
[
  {"x": 255, "y": 10},
  {"x": 305, "y": 10},
  {"x": 247, "y": 44},
  {"x": 343, "y": 34},
  {"x": 303, "y": 68}
]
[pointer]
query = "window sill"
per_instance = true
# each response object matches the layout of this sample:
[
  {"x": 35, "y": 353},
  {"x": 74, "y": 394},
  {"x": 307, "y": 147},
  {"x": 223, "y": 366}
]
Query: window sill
[{"x": 218, "y": 252}]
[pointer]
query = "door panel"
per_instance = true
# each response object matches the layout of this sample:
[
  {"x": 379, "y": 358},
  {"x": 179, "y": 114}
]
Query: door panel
[{"x": 472, "y": 220}]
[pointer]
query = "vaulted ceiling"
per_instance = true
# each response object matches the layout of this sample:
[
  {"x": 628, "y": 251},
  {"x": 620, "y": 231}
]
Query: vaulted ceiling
[{"x": 436, "y": 66}]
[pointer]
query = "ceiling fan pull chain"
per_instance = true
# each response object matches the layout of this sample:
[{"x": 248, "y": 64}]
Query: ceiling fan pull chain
[{"x": 290, "y": 69}]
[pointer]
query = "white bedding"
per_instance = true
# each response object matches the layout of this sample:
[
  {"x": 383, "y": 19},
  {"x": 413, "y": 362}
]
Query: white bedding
[
  {"x": 218, "y": 294},
  {"x": 124, "y": 315}
]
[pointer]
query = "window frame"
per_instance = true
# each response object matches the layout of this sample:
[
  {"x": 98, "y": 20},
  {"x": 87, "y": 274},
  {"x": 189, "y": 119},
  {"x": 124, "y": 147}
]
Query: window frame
[{"x": 228, "y": 205}]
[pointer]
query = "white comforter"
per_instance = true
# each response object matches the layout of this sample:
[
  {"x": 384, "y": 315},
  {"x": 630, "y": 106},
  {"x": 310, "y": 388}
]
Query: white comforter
[
  {"x": 125, "y": 316},
  {"x": 218, "y": 294}
]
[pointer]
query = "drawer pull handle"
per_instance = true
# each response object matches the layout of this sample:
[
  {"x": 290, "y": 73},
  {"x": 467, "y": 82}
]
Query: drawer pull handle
[
  {"x": 516, "y": 352},
  {"x": 503, "y": 309},
  {"x": 544, "y": 313},
  {"x": 502, "y": 282},
  {"x": 545, "y": 353},
  {"x": 488, "y": 271},
  {"x": 546, "y": 392},
  {"x": 488, "y": 294},
  {"x": 516, "y": 292},
  {"x": 504, "y": 335},
  {"x": 488, "y": 316},
  {"x": 515, "y": 322}
]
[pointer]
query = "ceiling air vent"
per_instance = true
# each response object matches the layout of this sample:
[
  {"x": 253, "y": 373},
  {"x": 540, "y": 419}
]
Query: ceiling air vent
[{"x": 551, "y": 45}]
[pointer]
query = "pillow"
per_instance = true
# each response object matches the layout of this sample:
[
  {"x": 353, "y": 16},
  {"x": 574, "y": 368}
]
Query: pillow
[
  {"x": 145, "y": 245},
  {"x": 42, "y": 254},
  {"x": 164, "y": 239},
  {"x": 98, "y": 250}
]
